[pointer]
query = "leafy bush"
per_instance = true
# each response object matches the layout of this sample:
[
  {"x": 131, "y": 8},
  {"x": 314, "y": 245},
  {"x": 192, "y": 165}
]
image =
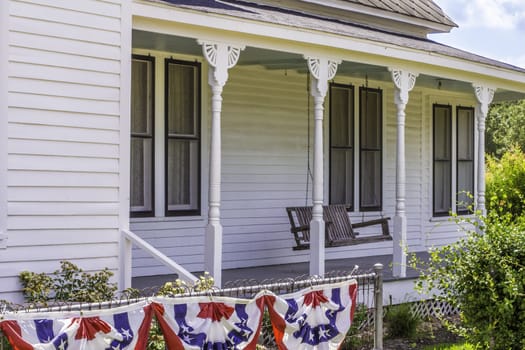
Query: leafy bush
[
  {"x": 401, "y": 321},
  {"x": 505, "y": 180},
  {"x": 69, "y": 283},
  {"x": 505, "y": 127},
  {"x": 483, "y": 275},
  {"x": 355, "y": 337}
]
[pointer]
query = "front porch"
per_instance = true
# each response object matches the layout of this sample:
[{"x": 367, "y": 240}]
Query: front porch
[
  {"x": 395, "y": 289},
  {"x": 258, "y": 135}
]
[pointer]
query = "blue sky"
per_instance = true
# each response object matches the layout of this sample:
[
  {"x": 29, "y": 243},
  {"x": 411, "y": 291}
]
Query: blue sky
[{"x": 491, "y": 28}]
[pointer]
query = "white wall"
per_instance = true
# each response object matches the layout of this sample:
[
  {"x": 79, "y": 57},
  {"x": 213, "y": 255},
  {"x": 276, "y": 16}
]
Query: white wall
[{"x": 64, "y": 127}]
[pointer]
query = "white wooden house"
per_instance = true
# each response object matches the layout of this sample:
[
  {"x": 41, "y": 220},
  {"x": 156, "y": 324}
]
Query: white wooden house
[{"x": 218, "y": 114}]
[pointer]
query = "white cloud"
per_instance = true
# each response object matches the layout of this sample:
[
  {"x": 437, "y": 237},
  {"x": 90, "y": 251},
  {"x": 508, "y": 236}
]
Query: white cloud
[{"x": 496, "y": 14}]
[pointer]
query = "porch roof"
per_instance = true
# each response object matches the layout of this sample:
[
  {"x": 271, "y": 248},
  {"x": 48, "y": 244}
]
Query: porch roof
[{"x": 306, "y": 21}]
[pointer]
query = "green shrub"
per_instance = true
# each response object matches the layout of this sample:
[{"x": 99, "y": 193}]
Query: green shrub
[
  {"x": 69, "y": 284},
  {"x": 401, "y": 322},
  {"x": 505, "y": 181},
  {"x": 356, "y": 338},
  {"x": 483, "y": 275}
]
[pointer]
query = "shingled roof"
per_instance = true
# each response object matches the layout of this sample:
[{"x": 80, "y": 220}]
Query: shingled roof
[
  {"x": 423, "y": 9},
  {"x": 252, "y": 11}
]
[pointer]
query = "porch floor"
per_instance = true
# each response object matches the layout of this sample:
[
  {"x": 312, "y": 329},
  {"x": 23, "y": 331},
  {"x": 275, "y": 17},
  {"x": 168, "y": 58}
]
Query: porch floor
[{"x": 275, "y": 272}]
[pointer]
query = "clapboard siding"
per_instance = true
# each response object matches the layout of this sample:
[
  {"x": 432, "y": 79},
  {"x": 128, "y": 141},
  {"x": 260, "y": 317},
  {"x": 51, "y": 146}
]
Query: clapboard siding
[
  {"x": 99, "y": 17},
  {"x": 20, "y": 54},
  {"x": 61, "y": 118},
  {"x": 64, "y": 107}
]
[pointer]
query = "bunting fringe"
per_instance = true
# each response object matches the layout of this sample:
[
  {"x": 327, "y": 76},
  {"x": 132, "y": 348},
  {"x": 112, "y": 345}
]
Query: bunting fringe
[{"x": 313, "y": 318}]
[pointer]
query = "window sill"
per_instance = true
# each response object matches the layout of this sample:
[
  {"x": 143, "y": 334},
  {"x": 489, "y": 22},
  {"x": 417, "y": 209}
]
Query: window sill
[
  {"x": 167, "y": 218},
  {"x": 450, "y": 218}
]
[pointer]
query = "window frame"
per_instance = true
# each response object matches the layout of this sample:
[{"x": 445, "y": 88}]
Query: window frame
[
  {"x": 151, "y": 212},
  {"x": 380, "y": 149},
  {"x": 450, "y": 160},
  {"x": 473, "y": 160},
  {"x": 198, "y": 137},
  {"x": 351, "y": 88}
]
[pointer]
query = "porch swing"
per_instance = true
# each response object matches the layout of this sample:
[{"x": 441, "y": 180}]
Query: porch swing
[{"x": 339, "y": 231}]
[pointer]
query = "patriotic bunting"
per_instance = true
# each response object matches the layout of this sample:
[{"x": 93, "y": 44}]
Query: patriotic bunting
[
  {"x": 116, "y": 329},
  {"x": 201, "y": 323},
  {"x": 314, "y": 318}
]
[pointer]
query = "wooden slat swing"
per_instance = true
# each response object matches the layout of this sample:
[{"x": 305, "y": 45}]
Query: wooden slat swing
[{"x": 339, "y": 231}]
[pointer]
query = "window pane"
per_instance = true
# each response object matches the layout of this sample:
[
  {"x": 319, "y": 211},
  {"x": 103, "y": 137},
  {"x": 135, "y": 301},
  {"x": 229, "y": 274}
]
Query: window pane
[
  {"x": 142, "y": 111},
  {"x": 371, "y": 119},
  {"x": 141, "y": 97},
  {"x": 442, "y": 133},
  {"x": 370, "y": 187},
  {"x": 141, "y": 170},
  {"x": 341, "y": 117},
  {"x": 465, "y": 185},
  {"x": 342, "y": 144},
  {"x": 182, "y": 101},
  {"x": 342, "y": 177},
  {"x": 183, "y": 177},
  {"x": 442, "y": 146},
  {"x": 442, "y": 188},
  {"x": 465, "y": 159},
  {"x": 465, "y": 133},
  {"x": 371, "y": 144}
]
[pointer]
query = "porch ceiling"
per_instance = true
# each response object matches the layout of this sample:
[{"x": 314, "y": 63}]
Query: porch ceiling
[{"x": 279, "y": 60}]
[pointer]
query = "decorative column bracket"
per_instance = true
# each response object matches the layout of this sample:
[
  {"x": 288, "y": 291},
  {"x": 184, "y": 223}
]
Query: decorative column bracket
[
  {"x": 404, "y": 82},
  {"x": 221, "y": 57},
  {"x": 322, "y": 70},
  {"x": 484, "y": 94}
]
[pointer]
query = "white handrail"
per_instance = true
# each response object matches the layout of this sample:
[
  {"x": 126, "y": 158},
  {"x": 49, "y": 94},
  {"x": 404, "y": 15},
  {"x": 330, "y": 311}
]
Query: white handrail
[{"x": 129, "y": 238}]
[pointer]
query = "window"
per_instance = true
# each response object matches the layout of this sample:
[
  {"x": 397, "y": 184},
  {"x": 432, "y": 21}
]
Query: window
[
  {"x": 370, "y": 149},
  {"x": 182, "y": 137},
  {"x": 179, "y": 192},
  {"x": 442, "y": 160},
  {"x": 142, "y": 118},
  {"x": 465, "y": 159},
  {"x": 452, "y": 195},
  {"x": 342, "y": 147}
]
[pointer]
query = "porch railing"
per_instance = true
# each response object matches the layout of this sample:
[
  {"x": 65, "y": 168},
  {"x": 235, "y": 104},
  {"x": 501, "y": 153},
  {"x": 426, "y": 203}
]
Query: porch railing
[{"x": 128, "y": 239}]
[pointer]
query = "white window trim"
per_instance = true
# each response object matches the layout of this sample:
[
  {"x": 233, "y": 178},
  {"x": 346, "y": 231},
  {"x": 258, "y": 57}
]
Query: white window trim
[
  {"x": 159, "y": 132},
  {"x": 356, "y": 85},
  {"x": 454, "y": 103}
]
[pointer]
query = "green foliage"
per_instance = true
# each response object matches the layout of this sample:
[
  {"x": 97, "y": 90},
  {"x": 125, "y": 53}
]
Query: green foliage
[
  {"x": 355, "y": 337},
  {"x": 37, "y": 286},
  {"x": 69, "y": 284},
  {"x": 484, "y": 276},
  {"x": 505, "y": 181},
  {"x": 465, "y": 346},
  {"x": 204, "y": 283},
  {"x": 505, "y": 127},
  {"x": 401, "y": 321}
]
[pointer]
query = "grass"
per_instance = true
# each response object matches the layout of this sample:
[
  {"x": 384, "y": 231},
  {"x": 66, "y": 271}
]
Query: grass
[{"x": 464, "y": 346}]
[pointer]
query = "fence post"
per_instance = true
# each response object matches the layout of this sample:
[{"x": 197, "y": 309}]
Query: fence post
[{"x": 378, "y": 301}]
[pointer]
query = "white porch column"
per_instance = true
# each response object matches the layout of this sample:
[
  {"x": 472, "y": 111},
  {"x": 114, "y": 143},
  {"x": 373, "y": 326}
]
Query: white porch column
[
  {"x": 322, "y": 70},
  {"x": 404, "y": 82},
  {"x": 221, "y": 57},
  {"x": 484, "y": 94}
]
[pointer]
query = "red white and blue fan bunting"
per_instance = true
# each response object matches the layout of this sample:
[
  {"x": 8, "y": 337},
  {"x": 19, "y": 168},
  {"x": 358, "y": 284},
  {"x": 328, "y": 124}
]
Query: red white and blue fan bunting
[
  {"x": 314, "y": 318},
  {"x": 116, "y": 329},
  {"x": 209, "y": 323}
]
